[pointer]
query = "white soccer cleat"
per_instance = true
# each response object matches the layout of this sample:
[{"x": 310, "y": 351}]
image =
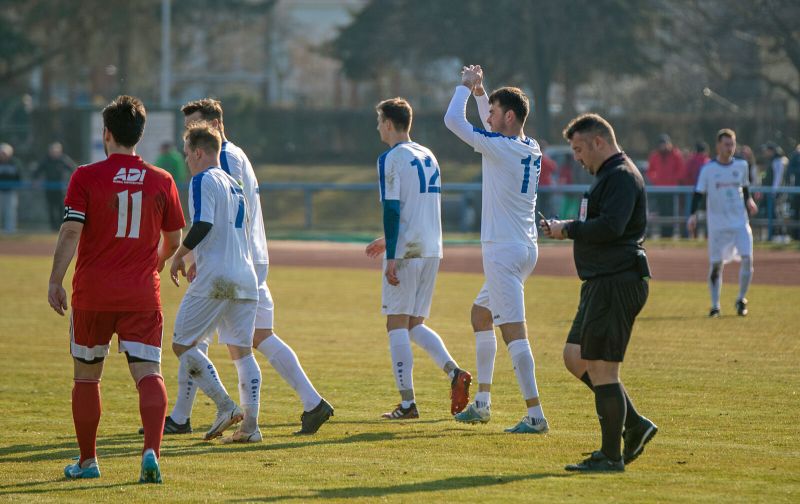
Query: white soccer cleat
[
  {"x": 224, "y": 419},
  {"x": 243, "y": 437}
]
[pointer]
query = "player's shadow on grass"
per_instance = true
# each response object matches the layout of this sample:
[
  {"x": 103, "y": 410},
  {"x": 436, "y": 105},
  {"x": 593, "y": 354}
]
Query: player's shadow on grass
[
  {"x": 302, "y": 442},
  {"x": 111, "y": 445},
  {"x": 453, "y": 483},
  {"x": 82, "y": 486}
]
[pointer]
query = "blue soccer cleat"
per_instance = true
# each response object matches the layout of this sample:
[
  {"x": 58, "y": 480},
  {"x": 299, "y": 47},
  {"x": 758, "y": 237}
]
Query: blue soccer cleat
[
  {"x": 474, "y": 414},
  {"x": 530, "y": 426},
  {"x": 151, "y": 473},
  {"x": 89, "y": 469}
]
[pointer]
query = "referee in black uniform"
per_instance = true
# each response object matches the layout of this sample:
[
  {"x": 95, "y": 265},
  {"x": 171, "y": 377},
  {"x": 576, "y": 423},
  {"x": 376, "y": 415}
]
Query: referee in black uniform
[{"x": 611, "y": 261}]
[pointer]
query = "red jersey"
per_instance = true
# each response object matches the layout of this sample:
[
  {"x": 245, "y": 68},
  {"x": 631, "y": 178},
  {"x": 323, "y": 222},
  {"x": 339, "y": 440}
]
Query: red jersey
[{"x": 124, "y": 204}]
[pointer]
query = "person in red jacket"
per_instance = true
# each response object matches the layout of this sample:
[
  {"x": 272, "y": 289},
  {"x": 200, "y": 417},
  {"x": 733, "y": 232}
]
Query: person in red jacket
[{"x": 666, "y": 168}]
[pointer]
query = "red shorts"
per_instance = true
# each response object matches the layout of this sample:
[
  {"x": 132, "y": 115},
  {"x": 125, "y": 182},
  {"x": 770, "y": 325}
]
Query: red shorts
[{"x": 139, "y": 333}]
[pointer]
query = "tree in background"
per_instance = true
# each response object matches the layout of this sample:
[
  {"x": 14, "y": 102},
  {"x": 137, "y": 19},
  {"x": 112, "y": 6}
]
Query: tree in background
[{"x": 529, "y": 44}]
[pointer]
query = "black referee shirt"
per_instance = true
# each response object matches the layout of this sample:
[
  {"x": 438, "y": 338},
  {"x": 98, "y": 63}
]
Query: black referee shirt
[{"x": 610, "y": 237}]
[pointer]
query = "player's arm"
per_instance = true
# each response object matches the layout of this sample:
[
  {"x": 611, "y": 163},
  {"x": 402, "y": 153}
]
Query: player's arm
[
  {"x": 196, "y": 234},
  {"x": 481, "y": 99},
  {"x": 749, "y": 202},
  {"x": 391, "y": 232},
  {"x": 68, "y": 238},
  {"x": 614, "y": 211},
  {"x": 170, "y": 241},
  {"x": 456, "y": 116}
]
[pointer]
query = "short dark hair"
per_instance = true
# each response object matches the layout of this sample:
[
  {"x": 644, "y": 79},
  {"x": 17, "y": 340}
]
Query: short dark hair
[
  {"x": 590, "y": 123},
  {"x": 726, "y": 132},
  {"x": 514, "y": 99},
  {"x": 209, "y": 109},
  {"x": 124, "y": 118},
  {"x": 200, "y": 135},
  {"x": 398, "y": 111}
]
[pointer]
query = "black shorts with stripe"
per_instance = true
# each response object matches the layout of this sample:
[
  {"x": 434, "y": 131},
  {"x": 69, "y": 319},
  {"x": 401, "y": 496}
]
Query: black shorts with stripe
[{"x": 606, "y": 312}]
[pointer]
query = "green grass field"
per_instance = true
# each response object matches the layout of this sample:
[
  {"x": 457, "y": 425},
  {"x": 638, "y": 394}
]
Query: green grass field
[{"x": 723, "y": 392}]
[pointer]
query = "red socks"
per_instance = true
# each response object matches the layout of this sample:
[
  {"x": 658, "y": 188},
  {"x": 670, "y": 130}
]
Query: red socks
[
  {"x": 153, "y": 409},
  {"x": 86, "y": 415}
]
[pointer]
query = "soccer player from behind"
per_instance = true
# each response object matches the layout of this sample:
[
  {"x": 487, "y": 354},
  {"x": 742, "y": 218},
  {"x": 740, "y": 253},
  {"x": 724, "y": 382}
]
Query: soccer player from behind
[
  {"x": 510, "y": 170},
  {"x": 410, "y": 191},
  {"x": 224, "y": 295},
  {"x": 283, "y": 359},
  {"x": 118, "y": 210},
  {"x": 725, "y": 183}
]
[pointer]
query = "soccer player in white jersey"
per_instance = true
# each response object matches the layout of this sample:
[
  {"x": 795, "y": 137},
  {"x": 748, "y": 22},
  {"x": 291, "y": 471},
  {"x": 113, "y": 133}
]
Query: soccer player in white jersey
[
  {"x": 510, "y": 171},
  {"x": 283, "y": 359},
  {"x": 224, "y": 294},
  {"x": 725, "y": 183},
  {"x": 410, "y": 191}
]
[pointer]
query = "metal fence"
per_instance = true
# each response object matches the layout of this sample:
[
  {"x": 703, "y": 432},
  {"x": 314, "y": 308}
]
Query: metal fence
[{"x": 355, "y": 207}]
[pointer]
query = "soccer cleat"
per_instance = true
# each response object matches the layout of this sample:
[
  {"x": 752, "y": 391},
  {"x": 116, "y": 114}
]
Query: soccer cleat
[
  {"x": 243, "y": 437},
  {"x": 636, "y": 437},
  {"x": 89, "y": 469},
  {"x": 311, "y": 421},
  {"x": 530, "y": 426},
  {"x": 474, "y": 414},
  {"x": 459, "y": 391},
  {"x": 597, "y": 462},
  {"x": 173, "y": 427},
  {"x": 224, "y": 420},
  {"x": 400, "y": 413},
  {"x": 150, "y": 473},
  {"x": 741, "y": 307},
  {"x": 714, "y": 313}
]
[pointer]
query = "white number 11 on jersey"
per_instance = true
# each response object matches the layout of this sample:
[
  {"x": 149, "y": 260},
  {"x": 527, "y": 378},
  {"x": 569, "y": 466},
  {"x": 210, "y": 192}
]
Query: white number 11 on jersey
[{"x": 122, "y": 215}]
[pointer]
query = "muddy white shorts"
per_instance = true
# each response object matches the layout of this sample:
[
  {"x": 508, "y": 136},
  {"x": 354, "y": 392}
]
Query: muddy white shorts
[
  {"x": 414, "y": 294},
  {"x": 199, "y": 317}
]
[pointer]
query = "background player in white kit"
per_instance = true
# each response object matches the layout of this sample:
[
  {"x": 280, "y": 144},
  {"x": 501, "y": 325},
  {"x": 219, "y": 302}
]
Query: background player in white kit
[
  {"x": 510, "y": 171},
  {"x": 410, "y": 191},
  {"x": 283, "y": 359},
  {"x": 224, "y": 295},
  {"x": 724, "y": 181}
]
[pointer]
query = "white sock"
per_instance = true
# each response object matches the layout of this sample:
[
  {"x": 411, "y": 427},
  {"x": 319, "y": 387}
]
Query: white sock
[
  {"x": 535, "y": 412},
  {"x": 284, "y": 360},
  {"x": 249, "y": 390},
  {"x": 432, "y": 343},
  {"x": 524, "y": 368},
  {"x": 483, "y": 399},
  {"x": 745, "y": 275},
  {"x": 485, "y": 351},
  {"x": 402, "y": 363},
  {"x": 203, "y": 372},
  {"x": 187, "y": 390}
]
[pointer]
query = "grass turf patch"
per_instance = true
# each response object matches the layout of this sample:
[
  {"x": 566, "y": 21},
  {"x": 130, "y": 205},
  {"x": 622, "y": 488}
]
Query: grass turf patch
[{"x": 723, "y": 392}]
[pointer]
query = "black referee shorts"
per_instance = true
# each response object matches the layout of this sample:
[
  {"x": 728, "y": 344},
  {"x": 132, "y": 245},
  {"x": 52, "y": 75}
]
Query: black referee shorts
[{"x": 607, "y": 309}]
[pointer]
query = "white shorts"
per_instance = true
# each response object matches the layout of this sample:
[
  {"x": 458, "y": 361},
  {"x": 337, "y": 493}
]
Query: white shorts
[
  {"x": 199, "y": 317},
  {"x": 414, "y": 294},
  {"x": 726, "y": 245},
  {"x": 506, "y": 266},
  {"x": 265, "y": 313}
]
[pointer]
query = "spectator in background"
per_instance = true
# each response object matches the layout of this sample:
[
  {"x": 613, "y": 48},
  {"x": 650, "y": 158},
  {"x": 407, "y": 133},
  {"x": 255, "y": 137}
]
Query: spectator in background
[
  {"x": 776, "y": 201},
  {"x": 666, "y": 168},
  {"x": 10, "y": 174},
  {"x": 172, "y": 161},
  {"x": 696, "y": 161},
  {"x": 793, "y": 180},
  {"x": 54, "y": 170}
]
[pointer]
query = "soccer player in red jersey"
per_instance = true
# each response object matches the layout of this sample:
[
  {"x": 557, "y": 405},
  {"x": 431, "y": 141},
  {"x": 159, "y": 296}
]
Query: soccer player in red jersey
[{"x": 127, "y": 218}]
